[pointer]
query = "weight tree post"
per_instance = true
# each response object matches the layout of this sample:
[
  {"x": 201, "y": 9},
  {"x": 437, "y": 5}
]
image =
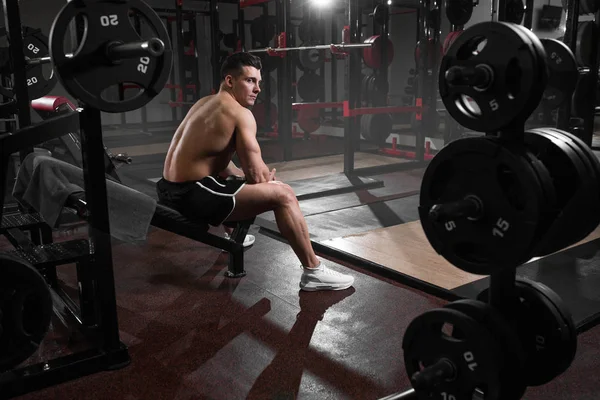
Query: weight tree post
[
  {"x": 570, "y": 39},
  {"x": 180, "y": 54},
  {"x": 284, "y": 117},
  {"x": 92, "y": 150},
  {"x": 352, "y": 82}
]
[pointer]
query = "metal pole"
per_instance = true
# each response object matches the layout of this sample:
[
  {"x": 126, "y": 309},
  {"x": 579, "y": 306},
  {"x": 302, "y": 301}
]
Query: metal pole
[
  {"x": 570, "y": 39},
  {"x": 353, "y": 84},
  {"x": 284, "y": 120},
  {"x": 215, "y": 44}
]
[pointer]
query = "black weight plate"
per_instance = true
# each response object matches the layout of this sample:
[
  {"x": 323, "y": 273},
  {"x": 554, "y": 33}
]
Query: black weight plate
[
  {"x": 380, "y": 128},
  {"x": 472, "y": 350},
  {"x": 459, "y": 12},
  {"x": 513, "y": 354},
  {"x": 511, "y": 194},
  {"x": 310, "y": 59},
  {"x": 546, "y": 329},
  {"x": 88, "y": 74},
  {"x": 587, "y": 35},
  {"x": 563, "y": 73},
  {"x": 263, "y": 29},
  {"x": 517, "y": 86},
  {"x": 542, "y": 70},
  {"x": 574, "y": 182},
  {"x": 26, "y": 310},
  {"x": 592, "y": 188},
  {"x": 310, "y": 87},
  {"x": 549, "y": 205},
  {"x": 40, "y": 79},
  {"x": 365, "y": 125}
]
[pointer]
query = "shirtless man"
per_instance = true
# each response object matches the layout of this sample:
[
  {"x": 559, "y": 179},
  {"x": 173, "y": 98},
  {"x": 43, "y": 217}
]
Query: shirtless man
[{"x": 201, "y": 181}]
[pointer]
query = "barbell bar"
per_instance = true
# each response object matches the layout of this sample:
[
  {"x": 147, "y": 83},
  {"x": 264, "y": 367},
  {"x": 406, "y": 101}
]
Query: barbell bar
[
  {"x": 116, "y": 51},
  {"x": 341, "y": 46}
]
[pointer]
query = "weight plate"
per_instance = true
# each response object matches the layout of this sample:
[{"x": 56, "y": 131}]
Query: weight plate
[
  {"x": 585, "y": 196},
  {"x": 587, "y": 35},
  {"x": 372, "y": 56},
  {"x": 450, "y": 334},
  {"x": 570, "y": 176},
  {"x": 310, "y": 59},
  {"x": 310, "y": 86},
  {"x": 459, "y": 12},
  {"x": 263, "y": 29},
  {"x": 546, "y": 329},
  {"x": 513, "y": 353},
  {"x": 376, "y": 128},
  {"x": 563, "y": 73},
  {"x": 25, "y": 309},
  {"x": 259, "y": 110},
  {"x": 512, "y": 200},
  {"x": 450, "y": 40},
  {"x": 309, "y": 119},
  {"x": 518, "y": 77},
  {"x": 88, "y": 74},
  {"x": 41, "y": 79}
]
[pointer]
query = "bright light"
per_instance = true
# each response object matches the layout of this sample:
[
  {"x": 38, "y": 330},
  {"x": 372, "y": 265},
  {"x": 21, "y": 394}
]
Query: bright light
[
  {"x": 389, "y": 2},
  {"x": 322, "y": 3}
]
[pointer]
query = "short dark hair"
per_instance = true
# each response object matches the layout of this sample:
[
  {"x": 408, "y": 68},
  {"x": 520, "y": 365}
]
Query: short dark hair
[{"x": 234, "y": 64}]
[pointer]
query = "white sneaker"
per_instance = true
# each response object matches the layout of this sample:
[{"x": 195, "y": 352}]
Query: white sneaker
[
  {"x": 323, "y": 278},
  {"x": 248, "y": 240}
]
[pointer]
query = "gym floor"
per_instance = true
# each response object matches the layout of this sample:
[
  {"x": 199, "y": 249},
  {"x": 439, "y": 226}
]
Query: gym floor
[{"x": 194, "y": 334}]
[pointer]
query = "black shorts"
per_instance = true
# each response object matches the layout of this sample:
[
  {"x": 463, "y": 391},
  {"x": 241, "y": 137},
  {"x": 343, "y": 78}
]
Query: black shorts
[{"x": 211, "y": 199}]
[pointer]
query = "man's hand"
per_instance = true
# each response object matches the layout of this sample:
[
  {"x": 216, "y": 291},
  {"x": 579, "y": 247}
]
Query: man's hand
[{"x": 272, "y": 175}]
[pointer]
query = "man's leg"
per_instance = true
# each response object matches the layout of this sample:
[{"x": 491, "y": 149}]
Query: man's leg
[
  {"x": 279, "y": 197},
  {"x": 252, "y": 200}
]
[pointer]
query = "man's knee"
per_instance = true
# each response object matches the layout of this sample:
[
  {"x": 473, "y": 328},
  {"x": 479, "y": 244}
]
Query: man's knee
[{"x": 286, "y": 195}]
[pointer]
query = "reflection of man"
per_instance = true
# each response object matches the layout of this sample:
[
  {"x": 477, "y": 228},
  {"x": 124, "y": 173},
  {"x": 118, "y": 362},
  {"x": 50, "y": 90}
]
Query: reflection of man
[{"x": 199, "y": 178}]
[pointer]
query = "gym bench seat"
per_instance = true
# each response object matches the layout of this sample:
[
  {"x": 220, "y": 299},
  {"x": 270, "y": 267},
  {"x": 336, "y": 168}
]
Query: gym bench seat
[{"x": 171, "y": 220}]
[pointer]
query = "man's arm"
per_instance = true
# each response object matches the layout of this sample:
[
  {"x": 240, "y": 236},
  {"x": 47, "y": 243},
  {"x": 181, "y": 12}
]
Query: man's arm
[
  {"x": 232, "y": 169},
  {"x": 248, "y": 150}
]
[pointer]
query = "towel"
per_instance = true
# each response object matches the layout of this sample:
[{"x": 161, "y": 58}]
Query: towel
[{"x": 44, "y": 184}]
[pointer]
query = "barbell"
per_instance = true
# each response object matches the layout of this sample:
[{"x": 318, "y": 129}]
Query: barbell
[{"x": 335, "y": 48}]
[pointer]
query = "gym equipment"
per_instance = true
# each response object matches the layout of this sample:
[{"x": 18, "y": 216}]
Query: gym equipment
[
  {"x": 513, "y": 385},
  {"x": 459, "y": 12},
  {"x": 272, "y": 89},
  {"x": 259, "y": 111},
  {"x": 493, "y": 76},
  {"x": 478, "y": 223},
  {"x": 35, "y": 44},
  {"x": 308, "y": 32},
  {"x": 335, "y": 48},
  {"x": 587, "y": 34},
  {"x": 563, "y": 73},
  {"x": 372, "y": 53},
  {"x": 112, "y": 52},
  {"x": 263, "y": 29},
  {"x": 430, "y": 61},
  {"x": 309, "y": 119},
  {"x": 585, "y": 6},
  {"x": 230, "y": 40},
  {"x": 380, "y": 14},
  {"x": 450, "y": 355},
  {"x": 574, "y": 170},
  {"x": 376, "y": 127},
  {"x": 546, "y": 329},
  {"x": 25, "y": 310},
  {"x": 449, "y": 40},
  {"x": 310, "y": 86},
  {"x": 515, "y": 11},
  {"x": 312, "y": 59}
]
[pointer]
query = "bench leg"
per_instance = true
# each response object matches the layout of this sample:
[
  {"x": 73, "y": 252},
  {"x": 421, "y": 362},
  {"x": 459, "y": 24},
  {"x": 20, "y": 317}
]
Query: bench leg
[{"x": 236, "y": 264}]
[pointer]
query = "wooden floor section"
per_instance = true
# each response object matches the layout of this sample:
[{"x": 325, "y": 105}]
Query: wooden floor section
[
  {"x": 288, "y": 171},
  {"x": 405, "y": 249}
]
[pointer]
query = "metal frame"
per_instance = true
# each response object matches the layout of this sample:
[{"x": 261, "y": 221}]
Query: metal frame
[{"x": 97, "y": 315}]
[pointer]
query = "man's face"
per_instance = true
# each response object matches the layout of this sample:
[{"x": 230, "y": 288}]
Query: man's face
[{"x": 246, "y": 86}]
